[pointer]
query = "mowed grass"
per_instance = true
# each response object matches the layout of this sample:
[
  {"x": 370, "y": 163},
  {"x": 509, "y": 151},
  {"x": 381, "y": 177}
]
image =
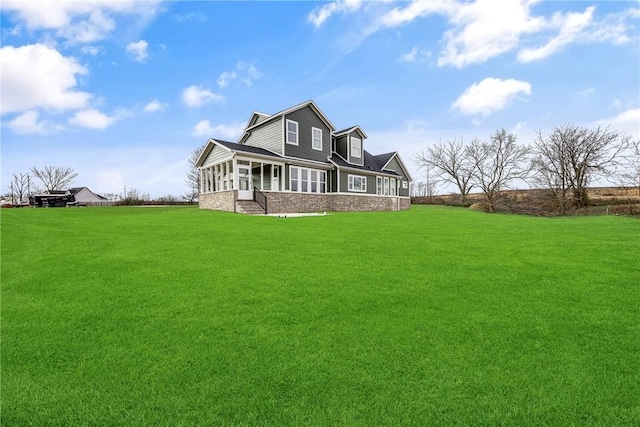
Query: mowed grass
[{"x": 432, "y": 316}]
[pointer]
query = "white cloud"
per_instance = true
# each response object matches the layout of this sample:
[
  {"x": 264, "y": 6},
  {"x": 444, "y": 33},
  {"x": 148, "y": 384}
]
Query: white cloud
[
  {"x": 244, "y": 71},
  {"x": 36, "y": 76},
  {"x": 93, "y": 119},
  {"x": 248, "y": 73},
  {"x": 226, "y": 131},
  {"x": 225, "y": 78},
  {"x": 28, "y": 124},
  {"x": 489, "y": 95},
  {"x": 195, "y": 96},
  {"x": 138, "y": 50},
  {"x": 321, "y": 13},
  {"x": 485, "y": 29},
  {"x": 627, "y": 121},
  {"x": 411, "y": 56},
  {"x": 586, "y": 93},
  {"x": 154, "y": 106},
  {"x": 571, "y": 26},
  {"x": 91, "y": 50},
  {"x": 415, "y": 55},
  {"x": 77, "y": 21}
]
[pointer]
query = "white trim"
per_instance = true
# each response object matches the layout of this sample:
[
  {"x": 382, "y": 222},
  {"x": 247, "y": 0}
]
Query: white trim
[
  {"x": 286, "y": 136},
  {"x": 351, "y": 183},
  {"x": 351, "y": 139},
  {"x": 313, "y": 138},
  {"x": 355, "y": 128},
  {"x": 299, "y": 181}
]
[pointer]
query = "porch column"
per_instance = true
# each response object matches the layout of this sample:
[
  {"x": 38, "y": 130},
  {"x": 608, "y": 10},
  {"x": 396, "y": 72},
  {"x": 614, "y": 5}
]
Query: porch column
[{"x": 261, "y": 176}]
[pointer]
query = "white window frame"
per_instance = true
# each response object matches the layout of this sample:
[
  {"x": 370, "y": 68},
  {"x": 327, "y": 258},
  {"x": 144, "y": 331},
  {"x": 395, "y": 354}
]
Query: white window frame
[
  {"x": 314, "y": 139},
  {"x": 358, "y": 147},
  {"x": 405, "y": 185},
  {"x": 379, "y": 185},
  {"x": 296, "y": 133},
  {"x": 386, "y": 186},
  {"x": 393, "y": 190},
  {"x": 352, "y": 183},
  {"x": 320, "y": 181}
]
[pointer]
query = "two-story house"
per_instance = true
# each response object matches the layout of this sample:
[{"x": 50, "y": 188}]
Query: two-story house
[{"x": 296, "y": 161}]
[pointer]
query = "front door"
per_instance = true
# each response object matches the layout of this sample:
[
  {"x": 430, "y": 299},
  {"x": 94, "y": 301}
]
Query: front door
[
  {"x": 275, "y": 178},
  {"x": 244, "y": 183}
]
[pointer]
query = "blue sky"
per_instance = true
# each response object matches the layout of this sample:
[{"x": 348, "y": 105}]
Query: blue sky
[{"x": 123, "y": 91}]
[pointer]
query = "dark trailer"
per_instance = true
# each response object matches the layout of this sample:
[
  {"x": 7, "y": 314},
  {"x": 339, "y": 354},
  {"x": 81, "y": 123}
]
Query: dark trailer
[{"x": 51, "y": 200}]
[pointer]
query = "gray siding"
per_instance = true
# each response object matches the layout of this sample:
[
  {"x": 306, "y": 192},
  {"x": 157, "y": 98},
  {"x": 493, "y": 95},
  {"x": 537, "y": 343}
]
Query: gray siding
[
  {"x": 344, "y": 182},
  {"x": 268, "y": 136},
  {"x": 395, "y": 166},
  {"x": 341, "y": 146},
  {"x": 215, "y": 156},
  {"x": 307, "y": 119}
]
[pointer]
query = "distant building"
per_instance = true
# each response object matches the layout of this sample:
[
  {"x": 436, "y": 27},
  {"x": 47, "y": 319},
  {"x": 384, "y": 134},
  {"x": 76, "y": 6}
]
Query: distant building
[
  {"x": 84, "y": 195},
  {"x": 71, "y": 197}
]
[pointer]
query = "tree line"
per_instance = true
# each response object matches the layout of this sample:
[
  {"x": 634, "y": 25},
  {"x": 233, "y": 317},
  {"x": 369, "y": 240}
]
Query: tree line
[{"x": 563, "y": 163}]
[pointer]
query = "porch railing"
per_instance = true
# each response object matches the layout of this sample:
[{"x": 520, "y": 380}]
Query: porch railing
[{"x": 260, "y": 198}]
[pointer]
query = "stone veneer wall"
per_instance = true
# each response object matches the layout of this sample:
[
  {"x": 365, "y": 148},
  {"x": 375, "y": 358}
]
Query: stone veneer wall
[
  {"x": 220, "y": 201},
  {"x": 284, "y": 202},
  {"x": 304, "y": 202}
]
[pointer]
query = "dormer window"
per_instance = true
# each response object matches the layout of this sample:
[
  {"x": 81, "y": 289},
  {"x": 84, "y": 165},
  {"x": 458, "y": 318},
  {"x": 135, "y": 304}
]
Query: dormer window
[
  {"x": 316, "y": 139},
  {"x": 356, "y": 147},
  {"x": 292, "y": 132}
]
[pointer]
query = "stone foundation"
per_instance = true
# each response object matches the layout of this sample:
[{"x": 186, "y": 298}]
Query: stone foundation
[
  {"x": 283, "y": 202},
  {"x": 220, "y": 201}
]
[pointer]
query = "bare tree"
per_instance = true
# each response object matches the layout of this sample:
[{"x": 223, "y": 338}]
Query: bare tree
[
  {"x": 452, "y": 165},
  {"x": 193, "y": 175},
  {"x": 54, "y": 177},
  {"x": 496, "y": 164},
  {"x": 572, "y": 156},
  {"x": 21, "y": 185}
]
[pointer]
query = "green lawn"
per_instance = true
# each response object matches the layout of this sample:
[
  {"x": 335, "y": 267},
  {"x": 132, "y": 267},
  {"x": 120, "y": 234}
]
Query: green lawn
[{"x": 432, "y": 316}]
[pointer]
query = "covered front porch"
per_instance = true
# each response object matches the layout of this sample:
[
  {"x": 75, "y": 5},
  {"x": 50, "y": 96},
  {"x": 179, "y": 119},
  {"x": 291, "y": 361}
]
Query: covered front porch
[{"x": 242, "y": 174}]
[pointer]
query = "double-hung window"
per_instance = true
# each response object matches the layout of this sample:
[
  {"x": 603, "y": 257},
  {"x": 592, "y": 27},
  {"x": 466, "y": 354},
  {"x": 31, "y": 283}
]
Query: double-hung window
[
  {"x": 356, "y": 147},
  {"x": 357, "y": 183},
  {"x": 316, "y": 139},
  {"x": 379, "y": 185},
  {"x": 292, "y": 132},
  {"x": 386, "y": 186},
  {"x": 303, "y": 180},
  {"x": 392, "y": 186}
]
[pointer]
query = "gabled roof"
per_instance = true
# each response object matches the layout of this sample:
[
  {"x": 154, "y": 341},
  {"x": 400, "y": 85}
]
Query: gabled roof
[
  {"x": 255, "y": 116},
  {"x": 370, "y": 164},
  {"x": 349, "y": 130},
  {"x": 384, "y": 159},
  {"x": 75, "y": 190},
  {"x": 233, "y": 146},
  {"x": 282, "y": 113}
]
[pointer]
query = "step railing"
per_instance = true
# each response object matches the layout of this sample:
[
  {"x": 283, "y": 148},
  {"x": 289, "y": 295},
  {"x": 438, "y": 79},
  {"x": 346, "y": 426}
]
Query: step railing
[{"x": 260, "y": 198}]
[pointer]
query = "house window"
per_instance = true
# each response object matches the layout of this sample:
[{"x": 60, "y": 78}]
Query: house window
[
  {"x": 405, "y": 185},
  {"x": 379, "y": 185},
  {"x": 294, "y": 176},
  {"x": 316, "y": 139},
  {"x": 356, "y": 147},
  {"x": 303, "y": 180},
  {"x": 392, "y": 186},
  {"x": 357, "y": 183},
  {"x": 292, "y": 132},
  {"x": 386, "y": 186}
]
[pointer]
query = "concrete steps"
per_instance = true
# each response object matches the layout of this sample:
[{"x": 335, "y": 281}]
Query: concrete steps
[{"x": 248, "y": 207}]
